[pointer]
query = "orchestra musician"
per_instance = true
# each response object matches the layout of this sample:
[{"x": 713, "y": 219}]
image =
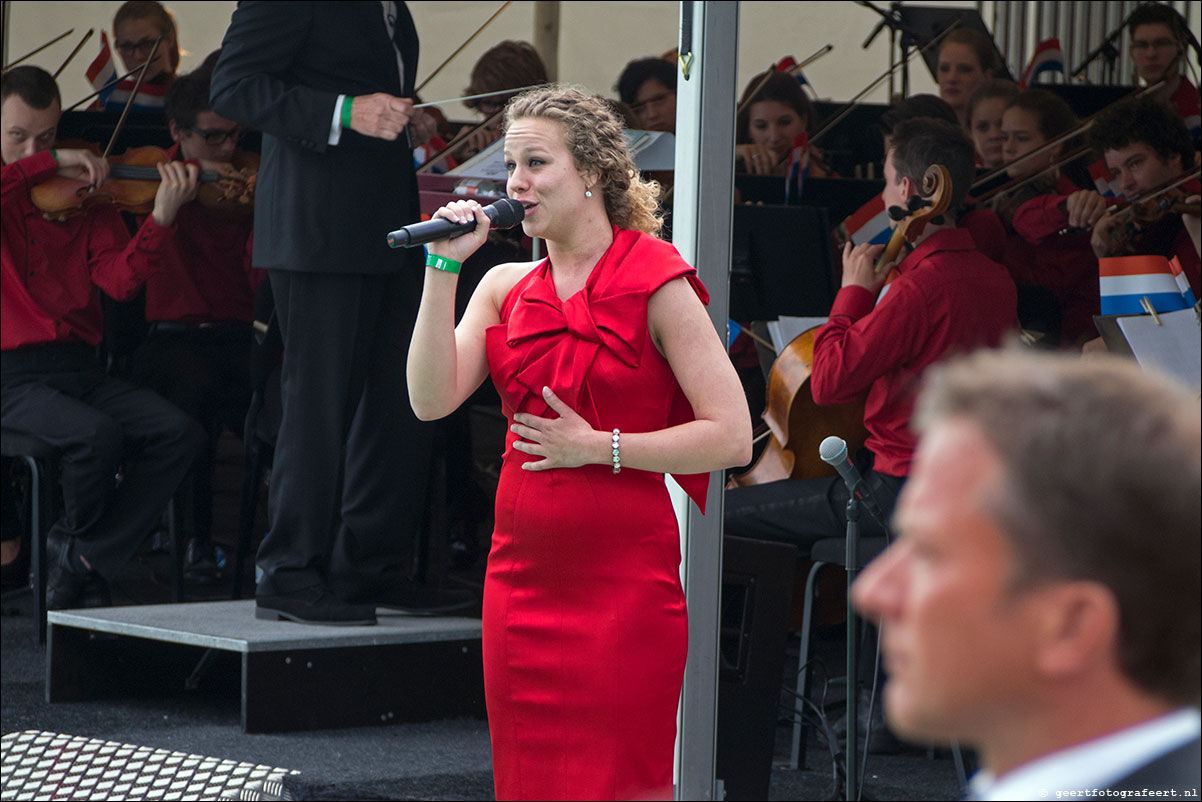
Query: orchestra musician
[
  {"x": 511, "y": 64},
  {"x": 648, "y": 87},
  {"x": 985, "y": 107},
  {"x": 1145, "y": 145},
  {"x": 53, "y": 385},
  {"x": 1158, "y": 42},
  {"x": 1034, "y": 213},
  {"x": 947, "y": 297},
  {"x": 136, "y": 26},
  {"x": 774, "y": 110},
  {"x": 966, "y": 59},
  {"x": 200, "y": 305}
]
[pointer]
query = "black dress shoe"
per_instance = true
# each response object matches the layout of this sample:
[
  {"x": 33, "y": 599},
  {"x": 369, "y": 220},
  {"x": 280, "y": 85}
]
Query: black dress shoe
[
  {"x": 200, "y": 563},
  {"x": 420, "y": 600},
  {"x": 314, "y": 605},
  {"x": 69, "y": 587}
]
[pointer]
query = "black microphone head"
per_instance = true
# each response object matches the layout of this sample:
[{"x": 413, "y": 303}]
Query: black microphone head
[
  {"x": 832, "y": 449},
  {"x": 508, "y": 213}
]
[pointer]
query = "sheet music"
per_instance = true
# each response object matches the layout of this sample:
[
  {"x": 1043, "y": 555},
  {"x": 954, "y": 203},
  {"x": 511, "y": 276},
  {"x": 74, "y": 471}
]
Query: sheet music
[
  {"x": 783, "y": 330},
  {"x": 1174, "y": 347}
]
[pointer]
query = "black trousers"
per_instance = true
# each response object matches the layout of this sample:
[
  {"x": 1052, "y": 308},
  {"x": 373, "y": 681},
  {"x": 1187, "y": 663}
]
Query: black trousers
[
  {"x": 103, "y": 427},
  {"x": 206, "y": 373},
  {"x": 352, "y": 461},
  {"x": 803, "y": 512}
]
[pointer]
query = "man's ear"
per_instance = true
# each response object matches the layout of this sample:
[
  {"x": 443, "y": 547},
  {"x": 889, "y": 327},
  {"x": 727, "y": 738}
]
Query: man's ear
[
  {"x": 177, "y": 133},
  {"x": 1079, "y": 628}
]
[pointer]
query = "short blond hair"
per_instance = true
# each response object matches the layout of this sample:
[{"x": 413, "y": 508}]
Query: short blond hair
[
  {"x": 1102, "y": 464},
  {"x": 594, "y": 136}
]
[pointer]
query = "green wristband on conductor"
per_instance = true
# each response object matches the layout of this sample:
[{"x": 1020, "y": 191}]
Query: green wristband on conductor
[
  {"x": 346, "y": 112},
  {"x": 443, "y": 263}
]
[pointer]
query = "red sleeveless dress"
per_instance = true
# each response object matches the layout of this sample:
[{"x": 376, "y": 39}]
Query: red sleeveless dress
[{"x": 585, "y": 630}]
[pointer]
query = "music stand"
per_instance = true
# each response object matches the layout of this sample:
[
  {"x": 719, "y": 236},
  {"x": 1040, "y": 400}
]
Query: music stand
[
  {"x": 924, "y": 23},
  {"x": 781, "y": 263}
]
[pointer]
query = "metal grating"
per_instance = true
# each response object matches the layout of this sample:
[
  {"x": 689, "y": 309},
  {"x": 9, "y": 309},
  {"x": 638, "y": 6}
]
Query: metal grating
[{"x": 49, "y": 765}]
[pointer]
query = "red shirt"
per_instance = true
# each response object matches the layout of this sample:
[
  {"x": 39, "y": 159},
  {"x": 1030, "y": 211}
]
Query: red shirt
[
  {"x": 51, "y": 269},
  {"x": 1064, "y": 263},
  {"x": 207, "y": 276},
  {"x": 1189, "y": 105},
  {"x": 947, "y": 299}
]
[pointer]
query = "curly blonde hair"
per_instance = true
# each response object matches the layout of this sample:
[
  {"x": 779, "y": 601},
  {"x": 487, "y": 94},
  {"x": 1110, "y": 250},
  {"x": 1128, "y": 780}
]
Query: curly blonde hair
[{"x": 593, "y": 135}]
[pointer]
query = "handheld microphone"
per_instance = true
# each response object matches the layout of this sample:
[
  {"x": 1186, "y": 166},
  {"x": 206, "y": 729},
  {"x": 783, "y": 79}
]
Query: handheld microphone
[
  {"x": 833, "y": 451},
  {"x": 505, "y": 213}
]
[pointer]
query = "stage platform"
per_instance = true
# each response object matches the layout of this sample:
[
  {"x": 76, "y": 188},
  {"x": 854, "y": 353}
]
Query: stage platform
[{"x": 290, "y": 676}]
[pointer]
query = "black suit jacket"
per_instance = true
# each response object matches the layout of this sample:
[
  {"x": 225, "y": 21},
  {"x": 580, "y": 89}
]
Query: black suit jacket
[
  {"x": 1179, "y": 770},
  {"x": 320, "y": 208}
]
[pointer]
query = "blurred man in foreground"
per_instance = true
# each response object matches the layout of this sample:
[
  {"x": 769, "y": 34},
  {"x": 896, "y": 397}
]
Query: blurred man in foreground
[{"x": 1042, "y": 602}]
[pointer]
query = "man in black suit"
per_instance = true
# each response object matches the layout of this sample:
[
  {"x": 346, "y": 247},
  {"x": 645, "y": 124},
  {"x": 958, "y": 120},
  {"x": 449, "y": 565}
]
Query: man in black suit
[
  {"x": 1042, "y": 602},
  {"x": 330, "y": 87}
]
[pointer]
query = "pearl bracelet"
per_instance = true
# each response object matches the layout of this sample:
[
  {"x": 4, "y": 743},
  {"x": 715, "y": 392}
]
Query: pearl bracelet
[{"x": 617, "y": 449}]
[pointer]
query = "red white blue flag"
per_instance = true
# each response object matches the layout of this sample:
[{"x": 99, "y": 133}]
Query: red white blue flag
[
  {"x": 799, "y": 168},
  {"x": 102, "y": 75},
  {"x": 1125, "y": 281},
  {"x": 1047, "y": 58},
  {"x": 869, "y": 223},
  {"x": 1100, "y": 174}
]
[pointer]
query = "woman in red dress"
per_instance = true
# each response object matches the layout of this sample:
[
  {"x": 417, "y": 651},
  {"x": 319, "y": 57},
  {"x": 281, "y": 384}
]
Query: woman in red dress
[{"x": 611, "y": 375}]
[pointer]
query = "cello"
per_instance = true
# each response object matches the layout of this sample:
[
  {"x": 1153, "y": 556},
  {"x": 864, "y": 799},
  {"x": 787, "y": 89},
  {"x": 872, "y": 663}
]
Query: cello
[{"x": 796, "y": 423}]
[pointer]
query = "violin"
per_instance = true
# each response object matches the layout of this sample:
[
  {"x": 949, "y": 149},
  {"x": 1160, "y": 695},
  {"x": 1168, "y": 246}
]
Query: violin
[
  {"x": 933, "y": 200},
  {"x": 132, "y": 187},
  {"x": 1162, "y": 201}
]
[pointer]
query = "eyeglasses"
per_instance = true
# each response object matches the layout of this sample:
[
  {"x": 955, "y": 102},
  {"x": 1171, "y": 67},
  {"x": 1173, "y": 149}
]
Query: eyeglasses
[
  {"x": 218, "y": 136},
  {"x": 134, "y": 48},
  {"x": 1140, "y": 45}
]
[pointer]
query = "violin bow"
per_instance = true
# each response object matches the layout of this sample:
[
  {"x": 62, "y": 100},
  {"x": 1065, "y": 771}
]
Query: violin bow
[
  {"x": 37, "y": 50},
  {"x": 796, "y": 68},
  {"x": 75, "y": 52},
  {"x": 459, "y": 49},
  {"x": 132, "y": 95},
  {"x": 457, "y": 142},
  {"x": 1084, "y": 126}
]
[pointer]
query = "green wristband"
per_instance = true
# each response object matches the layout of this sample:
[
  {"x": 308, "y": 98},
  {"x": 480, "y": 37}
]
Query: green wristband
[
  {"x": 443, "y": 263},
  {"x": 346, "y": 112}
]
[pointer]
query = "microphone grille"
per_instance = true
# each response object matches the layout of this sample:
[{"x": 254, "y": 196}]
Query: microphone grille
[
  {"x": 832, "y": 449},
  {"x": 509, "y": 213}
]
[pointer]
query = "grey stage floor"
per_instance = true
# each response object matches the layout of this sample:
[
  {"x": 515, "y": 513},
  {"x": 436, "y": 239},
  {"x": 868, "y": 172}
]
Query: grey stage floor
[{"x": 437, "y": 760}]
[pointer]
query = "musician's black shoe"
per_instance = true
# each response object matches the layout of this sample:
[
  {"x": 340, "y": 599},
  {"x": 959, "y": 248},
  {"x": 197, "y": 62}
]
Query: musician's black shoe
[
  {"x": 200, "y": 563},
  {"x": 314, "y": 605},
  {"x": 69, "y": 583}
]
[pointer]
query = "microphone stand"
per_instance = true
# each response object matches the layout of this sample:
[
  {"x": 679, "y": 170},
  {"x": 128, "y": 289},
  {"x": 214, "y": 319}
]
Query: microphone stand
[
  {"x": 900, "y": 35},
  {"x": 1105, "y": 50},
  {"x": 853, "y": 675}
]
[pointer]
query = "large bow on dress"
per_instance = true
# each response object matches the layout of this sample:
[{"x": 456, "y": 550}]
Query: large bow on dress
[{"x": 571, "y": 335}]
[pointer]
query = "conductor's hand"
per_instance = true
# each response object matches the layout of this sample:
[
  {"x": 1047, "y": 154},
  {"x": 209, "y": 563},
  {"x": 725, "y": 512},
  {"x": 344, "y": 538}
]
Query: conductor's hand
[
  {"x": 380, "y": 115},
  {"x": 563, "y": 442},
  {"x": 463, "y": 246},
  {"x": 177, "y": 186},
  {"x": 82, "y": 164},
  {"x": 859, "y": 266}
]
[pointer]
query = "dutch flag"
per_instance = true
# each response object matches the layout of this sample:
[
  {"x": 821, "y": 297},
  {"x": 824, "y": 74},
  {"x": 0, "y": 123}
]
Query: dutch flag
[
  {"x": 869, "y": 223},
  {"x": 1100, "y": 174},
  {"x": 1047, "y": 58},
  {"x": 101, "y": 73},
  {"x": 1126, "y": 280}
]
